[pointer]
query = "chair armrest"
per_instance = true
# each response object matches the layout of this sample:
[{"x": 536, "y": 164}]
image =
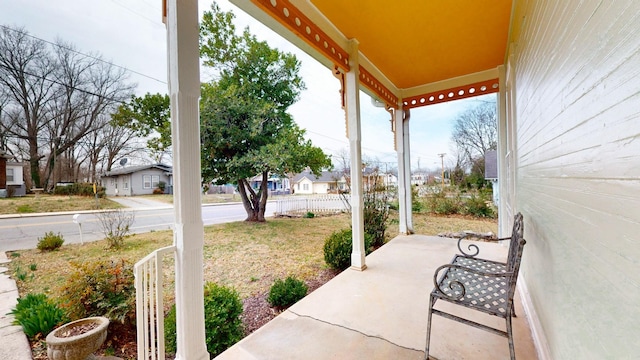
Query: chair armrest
[
  {"x": 456, "y": 285},
  {"x": 473, "y": 249}
]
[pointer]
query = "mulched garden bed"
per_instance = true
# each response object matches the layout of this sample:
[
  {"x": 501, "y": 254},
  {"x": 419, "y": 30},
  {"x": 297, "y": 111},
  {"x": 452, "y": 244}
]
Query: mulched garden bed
[{"x": 121, "y": 340}]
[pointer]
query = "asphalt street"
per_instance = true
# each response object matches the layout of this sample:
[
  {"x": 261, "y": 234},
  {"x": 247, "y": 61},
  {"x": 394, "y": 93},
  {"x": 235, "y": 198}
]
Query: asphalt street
[{"x": 19, "y": 233}]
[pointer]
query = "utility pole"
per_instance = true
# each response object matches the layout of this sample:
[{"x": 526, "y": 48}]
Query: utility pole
[{"x": 442, "y": 161}]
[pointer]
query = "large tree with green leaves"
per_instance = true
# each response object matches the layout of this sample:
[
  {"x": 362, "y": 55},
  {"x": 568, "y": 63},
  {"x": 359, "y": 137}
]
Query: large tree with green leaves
[
  {"x": 245, "y": 127},
  {"x": 149, "y": 117}
]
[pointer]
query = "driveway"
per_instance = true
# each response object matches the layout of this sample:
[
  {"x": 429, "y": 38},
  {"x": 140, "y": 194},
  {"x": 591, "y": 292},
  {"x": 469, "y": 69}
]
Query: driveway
[{"x": 139, "y": 203}]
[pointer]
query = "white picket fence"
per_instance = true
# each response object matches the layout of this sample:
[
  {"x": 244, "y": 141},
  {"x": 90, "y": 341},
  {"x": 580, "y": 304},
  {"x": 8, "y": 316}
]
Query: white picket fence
[
  {"x": 149, "y": 305},
  {"x": 296, "y": 205}
]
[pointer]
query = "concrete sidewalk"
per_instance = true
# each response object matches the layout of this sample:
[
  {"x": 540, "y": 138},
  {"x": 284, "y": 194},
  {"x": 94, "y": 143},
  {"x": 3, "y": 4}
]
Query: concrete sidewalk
[{"x": 13, "y": 342}]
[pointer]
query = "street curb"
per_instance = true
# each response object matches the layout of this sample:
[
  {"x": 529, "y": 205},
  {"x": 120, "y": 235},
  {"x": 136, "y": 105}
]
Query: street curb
[{"x": 59, "y": 213}]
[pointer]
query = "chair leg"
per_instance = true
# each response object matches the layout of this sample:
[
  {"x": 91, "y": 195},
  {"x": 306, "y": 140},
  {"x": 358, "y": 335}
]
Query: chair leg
[
  {"x": 512, "y": 350},
  {"x": 432, "y": 300}
]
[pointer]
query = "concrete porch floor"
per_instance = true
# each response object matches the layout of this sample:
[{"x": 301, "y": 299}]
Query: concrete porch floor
[{"x": 381, "y": 313}]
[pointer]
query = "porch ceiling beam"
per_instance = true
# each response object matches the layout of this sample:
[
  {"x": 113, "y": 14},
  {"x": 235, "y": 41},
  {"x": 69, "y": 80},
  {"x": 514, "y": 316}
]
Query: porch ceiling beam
[
  {"x": 376, "y": 84},
  {"x": 450, "y": 83},
  {"x": 256, "y": 8},
  {"x": 297, "y": 22},
  {"x": 303, "y": 25},
  {"x": 454, "y": 93}
]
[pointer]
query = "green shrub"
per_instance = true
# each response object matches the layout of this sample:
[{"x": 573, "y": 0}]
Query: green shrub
[
  {"x": 286, "y": 293},
  {"x": 338, "y": 246},
  {"x": 50, "y": 241},
  {"x": 442, "y": 204},
  {"x": 223, "y": 326},
  {"x": 100, "y": 288},
  {"x": 170, "y": 330},
  {"x": 416, "y": 202},
  {"x": 37, "y": 315},
  {"x": 80, "y": 189},
  {"x": 309, "y": 215},
  {"x": 376, "y": 212},
  {"x": 478, "y": 206}
]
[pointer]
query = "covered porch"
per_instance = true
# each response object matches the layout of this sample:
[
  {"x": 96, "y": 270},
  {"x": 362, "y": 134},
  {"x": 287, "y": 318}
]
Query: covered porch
[
  {"x": 566, "y": 77},
  {"x": 381, "y": 313}
]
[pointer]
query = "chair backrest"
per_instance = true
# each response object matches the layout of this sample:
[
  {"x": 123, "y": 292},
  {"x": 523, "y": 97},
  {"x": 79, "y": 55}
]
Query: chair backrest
[
  {"x": 515, "y": 253},
  {"x": 517, "y": 236}
]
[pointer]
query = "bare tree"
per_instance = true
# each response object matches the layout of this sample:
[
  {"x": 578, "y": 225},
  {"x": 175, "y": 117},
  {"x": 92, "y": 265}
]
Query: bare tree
[
  {"x": 55, "y": 98},
  {"x": 89, "y": 88},
  {"x": 116, "y": 224},
  {"x": 475, "y": 131},
  {"x": 26, "y": 70}
]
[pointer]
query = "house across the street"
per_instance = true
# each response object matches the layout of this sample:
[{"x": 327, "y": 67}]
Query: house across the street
[
  {"x": 137, "y": 180},
  {"x": 11, "y": 177},
  {"x": 327, "y": 182}
]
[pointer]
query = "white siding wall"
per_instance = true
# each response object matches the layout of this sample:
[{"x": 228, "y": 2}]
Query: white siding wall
[
  {"x": 320, "y": 188},
  {"x": 300, "y": 186},
  {"x": 577, "y": 84},
  {"x": 18, "y": 178}
]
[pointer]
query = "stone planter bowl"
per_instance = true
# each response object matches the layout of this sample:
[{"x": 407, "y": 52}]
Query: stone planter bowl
[{"x": 78, "y": 347}]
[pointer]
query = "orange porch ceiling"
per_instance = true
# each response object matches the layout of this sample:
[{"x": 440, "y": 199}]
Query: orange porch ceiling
[{"x": 418, "y": 42}]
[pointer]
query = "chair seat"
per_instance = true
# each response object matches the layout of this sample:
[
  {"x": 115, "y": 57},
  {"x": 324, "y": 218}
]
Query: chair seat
[
  {"x": 479, "y": 284},
  {"x": 484, "y": 293}
]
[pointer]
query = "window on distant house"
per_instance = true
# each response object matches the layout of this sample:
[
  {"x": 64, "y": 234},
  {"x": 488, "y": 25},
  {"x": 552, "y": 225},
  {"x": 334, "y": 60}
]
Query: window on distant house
[
  {"x": 305, "y": 187},
  {"x": 125, "y": 186},
  {"x": 150, "y": 181},
  {"x": 10, "y": 175}
]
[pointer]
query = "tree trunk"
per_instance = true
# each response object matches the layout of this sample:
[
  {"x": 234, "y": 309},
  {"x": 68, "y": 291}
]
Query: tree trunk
[
  {"x": 262, "y": 196},
  {"x": 34, "y": 167},
  {"x": 254, "y": 204}
]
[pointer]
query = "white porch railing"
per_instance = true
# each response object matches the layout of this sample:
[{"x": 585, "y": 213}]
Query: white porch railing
[
  {"x": 149, "y": 305},
  {"x": 314, "y": 204}
]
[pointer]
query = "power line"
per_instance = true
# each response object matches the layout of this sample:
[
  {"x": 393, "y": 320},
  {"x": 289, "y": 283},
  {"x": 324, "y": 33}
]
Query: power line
[
  {"x": 65, "y": 85},
  {"x": 83, "y": 54},
  {"x": 156, "y": 22}
]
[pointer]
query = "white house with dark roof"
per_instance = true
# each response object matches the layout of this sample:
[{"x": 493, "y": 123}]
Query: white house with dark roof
[
  {"x": 327, "y": 182},
  {"x": 137, "y": 180}
]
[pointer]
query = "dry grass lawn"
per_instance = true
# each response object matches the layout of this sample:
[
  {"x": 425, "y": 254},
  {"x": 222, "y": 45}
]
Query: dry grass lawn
[
  {"x": 246, "y": 256},
  {"x": 52, "y": 203}
]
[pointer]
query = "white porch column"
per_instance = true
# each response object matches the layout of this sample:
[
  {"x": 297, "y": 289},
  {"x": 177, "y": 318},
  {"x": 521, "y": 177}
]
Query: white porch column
[
  {"x": 352, "y": 94},
  {"x": 501, "y": 103},
  {"x": 188, "y": 235},
  {"x": 407, "y": 169},
  {"x": 403, "y": 190}
]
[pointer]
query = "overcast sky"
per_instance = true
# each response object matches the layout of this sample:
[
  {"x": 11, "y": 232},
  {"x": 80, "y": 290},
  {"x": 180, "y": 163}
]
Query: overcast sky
[{"x": 130, "y": 33}]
